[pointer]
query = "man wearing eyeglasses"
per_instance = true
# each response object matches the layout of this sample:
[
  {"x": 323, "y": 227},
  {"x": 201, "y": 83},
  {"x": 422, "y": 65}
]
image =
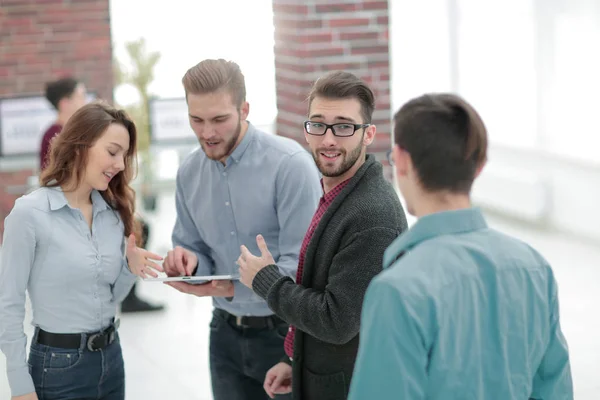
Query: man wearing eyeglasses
[{"x": 359, "y": 215}]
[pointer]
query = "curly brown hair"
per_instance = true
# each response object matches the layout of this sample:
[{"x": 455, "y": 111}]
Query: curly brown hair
[{"x": 69, "y": 155}]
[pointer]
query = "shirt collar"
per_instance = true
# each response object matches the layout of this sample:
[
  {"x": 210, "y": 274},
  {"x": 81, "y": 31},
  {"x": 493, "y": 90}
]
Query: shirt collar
[
  {"x": 329, "y": 196},
  {"x": 98, "y": 202},
  {"x": 57, "y": 200},
  {"x": 369, "y": 159},
  {"x": 239, "y": 151},
  {"x": 434, "y": 225}
]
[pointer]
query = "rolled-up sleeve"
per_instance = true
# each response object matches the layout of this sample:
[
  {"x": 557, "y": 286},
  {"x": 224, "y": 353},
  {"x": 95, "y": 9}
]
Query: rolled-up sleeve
[
  {"x": 126, "y": 278},
  {"x": 16, "y": 260}
]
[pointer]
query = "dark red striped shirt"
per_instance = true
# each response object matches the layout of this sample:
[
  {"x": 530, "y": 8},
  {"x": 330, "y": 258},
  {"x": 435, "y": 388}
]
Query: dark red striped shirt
[{"x": 324, "y": 204}]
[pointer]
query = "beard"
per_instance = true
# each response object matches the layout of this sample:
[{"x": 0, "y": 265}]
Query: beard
[
  {"x": 347, "y": 161},
  {"x": 224, "y": 148}
]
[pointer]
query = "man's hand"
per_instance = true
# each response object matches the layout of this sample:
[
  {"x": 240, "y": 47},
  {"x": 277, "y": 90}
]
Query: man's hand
[
  {"x": 250, "y": 264},
  {"x": 213, "y": 288},
  {"x": 138, "y": 260},
  {"x": 278, "y": 380},
  {"x": 28, "y": 396},
  {"x": 180, "y": 262}
]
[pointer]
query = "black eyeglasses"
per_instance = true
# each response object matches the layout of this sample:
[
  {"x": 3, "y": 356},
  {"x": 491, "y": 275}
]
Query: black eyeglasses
[
  {"x": 389, "y": 157},
  {"x": 343, "y": 129}
]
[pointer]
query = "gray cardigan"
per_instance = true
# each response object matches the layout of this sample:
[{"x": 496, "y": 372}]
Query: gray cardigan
[{"x": 345, "y": 253}]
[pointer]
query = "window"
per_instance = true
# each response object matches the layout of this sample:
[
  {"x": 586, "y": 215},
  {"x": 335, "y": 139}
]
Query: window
[
  {"x": 419, "y": 49},
  {"x": 572, "y": 126},
  {"x": 497, "y": 67}
]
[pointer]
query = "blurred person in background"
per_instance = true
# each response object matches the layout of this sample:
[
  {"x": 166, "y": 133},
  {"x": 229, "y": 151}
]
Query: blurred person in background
[
  {"x": 241, "y": 181},
  {"x": 67, "y": 95},
  {"x": 461, "y": 311},
  {"x": 71, "y": 245}
]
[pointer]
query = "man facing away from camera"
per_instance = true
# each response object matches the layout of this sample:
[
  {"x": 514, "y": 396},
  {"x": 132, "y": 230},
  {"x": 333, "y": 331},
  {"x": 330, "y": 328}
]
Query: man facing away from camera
[{"x": 461, "y": 310}]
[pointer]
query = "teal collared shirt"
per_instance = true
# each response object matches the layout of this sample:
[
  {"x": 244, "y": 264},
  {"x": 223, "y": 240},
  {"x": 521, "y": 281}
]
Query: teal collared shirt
[{"x": 461, "y": 311}]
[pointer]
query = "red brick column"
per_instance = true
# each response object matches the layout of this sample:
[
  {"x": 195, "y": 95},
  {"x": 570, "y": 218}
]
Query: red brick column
[
  {"x": 316, "y": 36},
  {"x": 42, "y": 41}
]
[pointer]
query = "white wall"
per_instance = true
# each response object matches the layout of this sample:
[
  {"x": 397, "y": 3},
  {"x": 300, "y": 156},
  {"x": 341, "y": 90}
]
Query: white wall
[
  {"x": 570, "y": 190},
  {"x": 530, "y": 67}
]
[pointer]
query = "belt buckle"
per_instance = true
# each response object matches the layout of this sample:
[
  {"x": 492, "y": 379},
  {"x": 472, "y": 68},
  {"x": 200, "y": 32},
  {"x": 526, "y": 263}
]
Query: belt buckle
[{"x": 90, "y": 341}]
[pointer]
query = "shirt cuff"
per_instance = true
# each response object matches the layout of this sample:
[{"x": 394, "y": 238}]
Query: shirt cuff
[
  {"x": 20, "y": 381},
  {"x": 287, "y": 360},
  {"x": 265, "y": 279}
]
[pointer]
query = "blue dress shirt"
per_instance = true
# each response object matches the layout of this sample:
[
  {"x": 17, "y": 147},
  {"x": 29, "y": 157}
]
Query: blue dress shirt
[{"x": 269, "y": 185}]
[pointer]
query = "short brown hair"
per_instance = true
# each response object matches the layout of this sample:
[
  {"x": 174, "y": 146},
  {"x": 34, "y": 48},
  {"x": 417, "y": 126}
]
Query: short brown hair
[
  {"x": 342, "y": 85},
  {"x": 210, "y": 76},
  {"x": 69, "y": 155},
  {"x": 58, "y": 90},
  {"x": 446, "y": 139}
]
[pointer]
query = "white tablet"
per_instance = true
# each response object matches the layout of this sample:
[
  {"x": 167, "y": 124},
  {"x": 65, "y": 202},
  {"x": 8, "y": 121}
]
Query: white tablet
[{"x": 194, "y": 279}]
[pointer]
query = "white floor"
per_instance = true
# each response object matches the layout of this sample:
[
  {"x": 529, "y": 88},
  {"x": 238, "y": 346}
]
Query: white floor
[{"x": 166, "y": 353}]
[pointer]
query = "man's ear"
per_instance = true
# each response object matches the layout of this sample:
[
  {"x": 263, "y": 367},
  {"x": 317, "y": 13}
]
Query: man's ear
[
  {"x": 480, "y": 168},
  {"x": 244, "y": 110},
  {"x": 402, "y": 160},
  {"x": 369, "y": 135}
]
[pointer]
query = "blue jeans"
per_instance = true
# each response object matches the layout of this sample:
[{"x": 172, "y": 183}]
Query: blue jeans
[
  {"x": 69, "y": 374},
  {"x": 240, "y": 358}
]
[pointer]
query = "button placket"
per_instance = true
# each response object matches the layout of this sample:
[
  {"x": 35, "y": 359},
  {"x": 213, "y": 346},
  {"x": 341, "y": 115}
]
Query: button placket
[
  {"x": 97, "y": 266},
  {"x": 226, "y": 191}
]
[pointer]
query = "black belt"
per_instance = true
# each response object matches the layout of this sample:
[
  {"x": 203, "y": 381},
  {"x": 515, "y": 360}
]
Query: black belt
[
  {"x": 270, "y": 321},
  {"x": 94, "y": 341}
]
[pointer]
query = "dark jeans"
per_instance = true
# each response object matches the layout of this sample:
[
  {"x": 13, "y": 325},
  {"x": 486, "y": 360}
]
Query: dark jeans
[
  {"x": 240, "y": 358},
  {"x": 69, "y": 374}
]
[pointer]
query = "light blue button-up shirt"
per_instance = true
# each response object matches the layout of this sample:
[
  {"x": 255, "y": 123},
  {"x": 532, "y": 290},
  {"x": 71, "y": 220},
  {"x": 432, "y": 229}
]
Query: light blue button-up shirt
[
  {"x": 465, "y": 313},
  {"x": 270, "y": 186},
  {"x": 75, "y": 277}
]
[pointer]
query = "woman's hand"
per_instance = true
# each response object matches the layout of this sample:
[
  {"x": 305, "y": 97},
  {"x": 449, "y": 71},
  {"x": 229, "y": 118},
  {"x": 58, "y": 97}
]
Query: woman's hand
[
  {"x": 138, "y": 260},
  {"x": 28, "y": 396}
]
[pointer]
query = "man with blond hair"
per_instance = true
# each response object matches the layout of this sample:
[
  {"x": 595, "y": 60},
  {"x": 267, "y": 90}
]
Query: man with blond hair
[{"x": 241, "y": 181}]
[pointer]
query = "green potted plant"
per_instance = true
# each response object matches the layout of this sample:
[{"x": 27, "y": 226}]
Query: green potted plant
[{"x": 140, "y": 76}]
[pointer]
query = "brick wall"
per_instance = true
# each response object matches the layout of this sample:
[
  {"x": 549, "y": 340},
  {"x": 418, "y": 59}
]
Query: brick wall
[
  {"x": 316, "y": 36},
  {"x": 45, "y": 40}
]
